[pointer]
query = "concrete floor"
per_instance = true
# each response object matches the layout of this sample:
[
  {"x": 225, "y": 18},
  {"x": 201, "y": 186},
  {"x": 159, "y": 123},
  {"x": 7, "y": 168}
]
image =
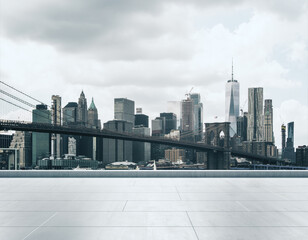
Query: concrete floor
[{"x": 153, "y": 208}]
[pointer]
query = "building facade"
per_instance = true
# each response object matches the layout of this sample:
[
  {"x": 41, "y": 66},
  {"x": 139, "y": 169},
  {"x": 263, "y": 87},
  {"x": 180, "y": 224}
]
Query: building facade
[
  {"x": 124, "y": 110},
  {"x": 40, "y": 141},
  {"x": 82, "y": 109},
  {"x": 187, "y": 124},
  {"x": 170, "y": 121},
  {"x": 141, "y": 150},
  {"x": 268, "y": 121},
  {"x": 56, "y": 120},
  {"x": 115, "y": 150},
  {"x": 255, "y": 130},
  {"x": 232, "y": 103},
  {"x": 70, "y": 113},
  {"x": 198, "y": 115},
  {"x": 141, "y": 120},
  {"x": 93, "y": 121}
]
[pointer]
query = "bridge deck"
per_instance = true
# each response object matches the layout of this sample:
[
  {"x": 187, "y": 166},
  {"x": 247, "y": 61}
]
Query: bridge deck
[{"x": 153, "y": 208}]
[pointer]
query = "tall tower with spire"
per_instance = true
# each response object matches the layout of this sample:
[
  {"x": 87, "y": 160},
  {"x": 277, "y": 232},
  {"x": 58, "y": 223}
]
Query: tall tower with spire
[
  {"x": 93, "y": 121},
  {"x": 232, "y": 102},
  {"x": 82, "y": 111}
]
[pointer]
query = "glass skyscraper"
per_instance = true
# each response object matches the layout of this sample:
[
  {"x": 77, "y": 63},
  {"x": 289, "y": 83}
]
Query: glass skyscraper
[
  {"x": 255, "y": 114},
  {"x": 232, "y": 104}
]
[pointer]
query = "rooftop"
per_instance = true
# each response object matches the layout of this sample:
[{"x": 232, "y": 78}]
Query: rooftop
[{"x": 195, "y": 208}]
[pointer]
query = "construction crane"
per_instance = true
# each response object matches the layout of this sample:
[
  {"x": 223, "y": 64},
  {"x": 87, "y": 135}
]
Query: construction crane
[
  {"x": 187, "y": 94},
  {"x": 242, "y": 111}
]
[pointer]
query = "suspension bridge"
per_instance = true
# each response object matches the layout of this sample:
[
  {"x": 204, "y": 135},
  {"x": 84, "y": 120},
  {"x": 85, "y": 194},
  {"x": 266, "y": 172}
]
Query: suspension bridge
[{"x": 218, "y": 157}]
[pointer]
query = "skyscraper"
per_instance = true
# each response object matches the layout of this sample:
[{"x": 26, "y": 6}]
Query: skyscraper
[
  {"x": 93, "y": 121},
  {"x": 82, "y": 110},
  {"x": 291, "y": 133},
  {"x": 40, "y": 141},
  {"x": 255, "y": 114},
  {"x": 115, "y": 150},
  {"x": 170, "y": 121},
  {"x": 187, "y": 125},
  {"x": 288, "y": 152},
  {"x": 232, "y": 103},
  {"x": 283, "y": 137},
  {"x": 70, "y": 113},
  {"x": 198, "y": 115},
  {"x": 175, "y": 107},
  {"x": 268, "y": 121},
  {"x": 124, "y": 110},
  {"x": 56, "y": 120},
  {"x": 241, "y": 127}
]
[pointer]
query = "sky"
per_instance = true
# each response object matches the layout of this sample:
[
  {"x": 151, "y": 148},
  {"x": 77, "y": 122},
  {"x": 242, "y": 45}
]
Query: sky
[{"x": 156, "y": 51}]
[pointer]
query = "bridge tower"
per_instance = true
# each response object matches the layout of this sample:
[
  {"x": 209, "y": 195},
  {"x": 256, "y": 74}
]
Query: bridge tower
[{"x": 218, "y": 134}]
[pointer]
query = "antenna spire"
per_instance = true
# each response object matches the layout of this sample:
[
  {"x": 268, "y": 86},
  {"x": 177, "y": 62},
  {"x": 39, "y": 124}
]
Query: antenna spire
[{"x": 232, "y": 70}]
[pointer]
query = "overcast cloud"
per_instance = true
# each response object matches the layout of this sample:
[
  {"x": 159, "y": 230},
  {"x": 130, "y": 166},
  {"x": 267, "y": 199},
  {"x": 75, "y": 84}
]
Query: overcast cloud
[{"x": 155, "y": 51}]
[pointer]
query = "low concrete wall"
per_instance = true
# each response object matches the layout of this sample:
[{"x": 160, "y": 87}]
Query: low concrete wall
[{"x": 154, "y": 174}]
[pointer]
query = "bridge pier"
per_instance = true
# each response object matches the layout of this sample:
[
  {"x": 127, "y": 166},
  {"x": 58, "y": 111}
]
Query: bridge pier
[{"x": 218, "y": 160}]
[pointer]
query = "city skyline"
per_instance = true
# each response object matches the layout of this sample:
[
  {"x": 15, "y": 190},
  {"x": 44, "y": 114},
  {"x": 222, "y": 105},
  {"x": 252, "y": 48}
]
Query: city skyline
[{"x": 167, "y": 61}]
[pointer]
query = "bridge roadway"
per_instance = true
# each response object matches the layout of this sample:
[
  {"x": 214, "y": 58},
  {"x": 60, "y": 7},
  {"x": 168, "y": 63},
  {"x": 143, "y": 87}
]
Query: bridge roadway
[{"x": 83, "y": 131}]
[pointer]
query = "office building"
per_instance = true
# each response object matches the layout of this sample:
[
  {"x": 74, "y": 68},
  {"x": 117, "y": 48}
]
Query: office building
[
  {"x": 93, "y": 121},
  {"x": 22, "y": 141},
  {"x": 198, "y": 115},
  {"x": 283, "y": 137},
  {"x": 175, "y": 155},
  {"x": 158, "y": 126},
  {"x": 187, "y": 126},
  {"x": 241, "y": 127},
  {"x": 175, "y": 107},
  {"x": 82, "y": 109},
  {"x": 232, "y": 103},
  {"x": 170, "y": 121},
  {"x": 124, "y": 110},
  {"x": 289, "y": 152},
  {"x": 302, "y": 156},
  {"x": 70, "y": 113},
  {"x": 141, "y": 120},
  {"x": 141, "y": 150},
  {"x": 56, "y": 120},
  {"x": 255, "y": 115},
  {"x": 40, "y": 141},
  {"x": 291, "y": 133},
  {"x": 115, "y": 150},
  {"x": 268, "y": 121}
]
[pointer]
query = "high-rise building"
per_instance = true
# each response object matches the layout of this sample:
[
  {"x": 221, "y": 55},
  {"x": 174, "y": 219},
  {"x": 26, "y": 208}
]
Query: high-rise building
[
  {"x": 175, "y": 107},
  {"x": 115, "y": 150},
  {"x": 198, "y": 115},
  {"x": 141, "y": 150},
  {"x": 255, "y": 114},
  {"x": 141, "y": 120},
  {"x": 22, "y": 141},
  {"x": 170, "y": 121},
  {"x": 232, "y": 103},
  {"x": 56, "y": 120},
  {"x": 268, "y": 121},
  {"x": 93, "y": 121},
  {"x": 288, "y": 152},
  {"x": 124, "y": 110},
  {"x": 283, "y": 137},
  {"x": 302, "y": 156},
  {"x": 187, "y": 119},
  {"x": 175, "y": 155},
  {"x": 40, "y": 141},
  {"x": 241, "y": 127},
  {"x": 82, "y": 110},
  {"x": 158, "y": 126},
  {"x": 70, "y": 113},
  {"x": 291, "y": 133}
]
